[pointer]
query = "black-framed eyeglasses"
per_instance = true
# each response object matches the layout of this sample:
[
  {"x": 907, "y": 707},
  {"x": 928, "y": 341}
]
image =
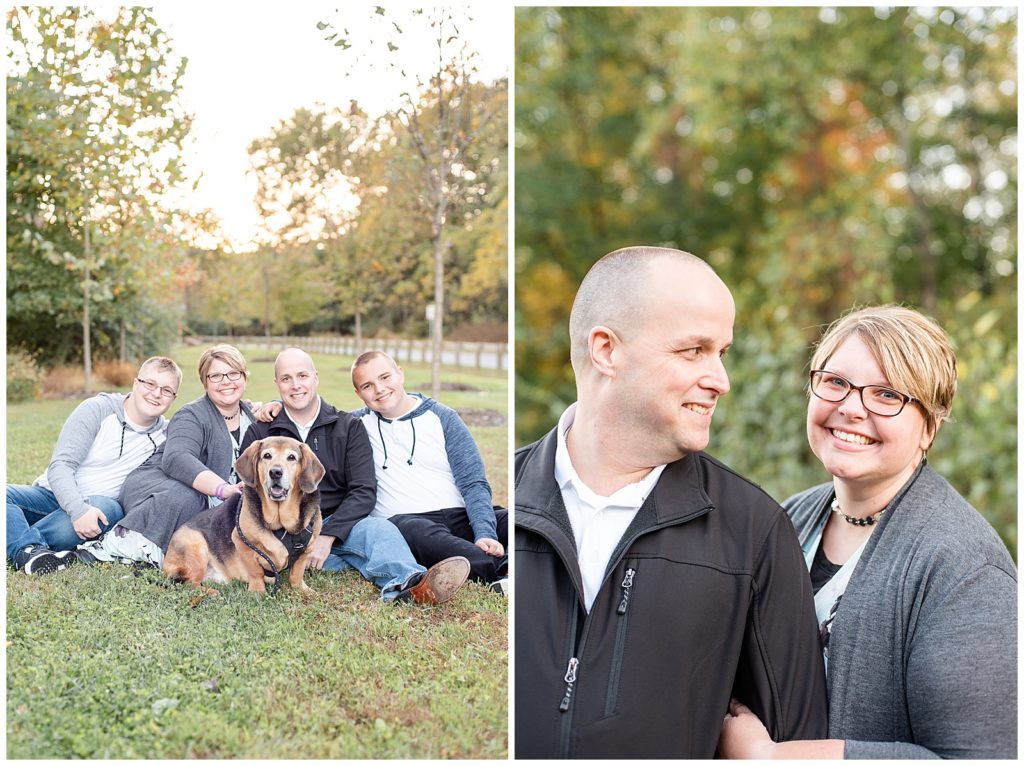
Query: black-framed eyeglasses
[
  {"x": 878, "y": 400},
  {"x": 217, "y": 377},
  {"x": 151, "y": 386}
]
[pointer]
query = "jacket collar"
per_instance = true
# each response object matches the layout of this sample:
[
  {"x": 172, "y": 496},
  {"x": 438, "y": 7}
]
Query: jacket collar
[
  {"x": 326, "y": 416},
  {"x": 678, "y": 495}
]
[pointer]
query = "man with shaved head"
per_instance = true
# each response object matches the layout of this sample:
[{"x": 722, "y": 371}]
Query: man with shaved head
[
  {"x": 349, "y": 537},
  {"x": 654, "y": 583}
]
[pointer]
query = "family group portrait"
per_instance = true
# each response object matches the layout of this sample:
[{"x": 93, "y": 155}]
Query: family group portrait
[{"x": 701, "y": 445}]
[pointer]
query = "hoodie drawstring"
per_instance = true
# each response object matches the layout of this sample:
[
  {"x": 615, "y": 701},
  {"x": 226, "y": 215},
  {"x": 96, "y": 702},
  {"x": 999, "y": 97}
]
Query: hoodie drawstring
[
  {"x": 384, "y": 444},
  {"x": 124, "y": 427},
  {"x": 380, "y": 433}
]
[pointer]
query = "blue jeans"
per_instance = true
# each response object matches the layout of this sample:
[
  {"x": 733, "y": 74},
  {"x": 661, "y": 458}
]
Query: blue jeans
[
  {"x": 34, "y": 517},
  {"x": 376, "y": 549}
]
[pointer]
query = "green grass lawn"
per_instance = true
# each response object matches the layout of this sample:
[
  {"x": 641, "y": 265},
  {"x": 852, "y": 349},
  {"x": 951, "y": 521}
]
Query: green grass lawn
[{"x": 107, "y": 662}]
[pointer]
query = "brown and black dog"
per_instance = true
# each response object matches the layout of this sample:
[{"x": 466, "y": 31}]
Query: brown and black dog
[{"x": 266, "y": 529}]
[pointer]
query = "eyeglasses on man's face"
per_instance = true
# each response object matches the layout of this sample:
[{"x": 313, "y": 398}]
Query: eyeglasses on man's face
[
  {"x": 151, "y": 386},
  {"x": 217, "y": 377},
  {"x": 878, "y": 400}
]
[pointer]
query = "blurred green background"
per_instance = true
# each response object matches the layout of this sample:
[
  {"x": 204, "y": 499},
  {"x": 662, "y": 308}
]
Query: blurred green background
[{"x": 819, "y": 159}]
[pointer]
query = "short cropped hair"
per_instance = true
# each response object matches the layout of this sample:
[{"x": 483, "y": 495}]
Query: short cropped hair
[
  {"x": 612, "y": 294},
  {"x": 915, "y": 354},
  {"x": 162, "y": 364},
  {"x": 226, "y": 353},
  {"x": 367, "y": 356}
]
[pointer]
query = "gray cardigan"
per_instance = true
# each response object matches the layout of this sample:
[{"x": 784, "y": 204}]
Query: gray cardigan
[
  {"x": 158, "y": 497},
  {"x": 923, "y": 653}
]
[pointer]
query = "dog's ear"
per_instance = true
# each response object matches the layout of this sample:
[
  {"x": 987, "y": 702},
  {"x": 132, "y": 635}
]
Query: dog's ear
[
  {"x": 245, "y": 466},
  {"x": 312, "y": 469}
]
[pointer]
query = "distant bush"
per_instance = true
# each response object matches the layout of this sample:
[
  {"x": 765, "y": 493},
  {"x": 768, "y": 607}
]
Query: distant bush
[
  {"x": 62, "y": 381},
  {"x": 22, "y": 377},
  {"x": 117, "y": 374}
]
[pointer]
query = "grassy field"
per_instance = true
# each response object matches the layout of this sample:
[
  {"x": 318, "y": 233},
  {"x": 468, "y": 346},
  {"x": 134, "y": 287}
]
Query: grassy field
[{"x": 109, "y": 662}]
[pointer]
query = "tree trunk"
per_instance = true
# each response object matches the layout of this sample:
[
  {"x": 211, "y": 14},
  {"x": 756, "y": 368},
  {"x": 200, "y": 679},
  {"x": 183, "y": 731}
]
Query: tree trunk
[
  {"x": 86, "y": 340},
  {"x": 437, "y": 334},
  {"x": 359, "y": 329},
  {"x": 122, "y": 350},
  {"x": 266, "y": 300}
]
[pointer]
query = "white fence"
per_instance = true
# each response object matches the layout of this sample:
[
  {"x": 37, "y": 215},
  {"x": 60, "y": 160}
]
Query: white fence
[{"x": 480, "y": 356}]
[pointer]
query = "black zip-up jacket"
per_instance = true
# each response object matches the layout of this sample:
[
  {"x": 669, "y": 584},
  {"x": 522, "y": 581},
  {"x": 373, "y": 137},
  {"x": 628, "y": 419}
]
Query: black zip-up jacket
[
  {"x": 705, "y": 598},
  {"x": 348, "y": 490}
]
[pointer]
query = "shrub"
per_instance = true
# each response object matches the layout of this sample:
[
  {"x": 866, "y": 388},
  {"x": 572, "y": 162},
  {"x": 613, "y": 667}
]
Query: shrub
[
  {"x": 22, "y": 377},
  {"x": 117, "y": 374},
  {"x": 62, "y": 381}
]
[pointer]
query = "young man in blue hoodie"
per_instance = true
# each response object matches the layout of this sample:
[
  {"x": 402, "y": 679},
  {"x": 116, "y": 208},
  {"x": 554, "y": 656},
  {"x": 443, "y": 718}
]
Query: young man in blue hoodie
[
  {"x": 103, "y": 440},
  {"x": 430, "y": 476}
]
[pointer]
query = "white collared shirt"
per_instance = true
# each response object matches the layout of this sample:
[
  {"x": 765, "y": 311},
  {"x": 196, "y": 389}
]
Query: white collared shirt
[
  {"x": 598, "y": 522},
  {"x": 304, "y": 429}
]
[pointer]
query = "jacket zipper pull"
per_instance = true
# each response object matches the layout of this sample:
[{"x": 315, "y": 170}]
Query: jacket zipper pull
[
  {"x": 570, "y": 680},
  {"x": 627, "y": 584},
  {"x": 316, "y": 448}
]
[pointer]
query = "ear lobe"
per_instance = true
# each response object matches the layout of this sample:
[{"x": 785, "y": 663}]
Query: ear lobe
[
  {"x": 312, "y": 470},
  {"x": 245, "y": 466},
  {"x": 601, "y": 344}
]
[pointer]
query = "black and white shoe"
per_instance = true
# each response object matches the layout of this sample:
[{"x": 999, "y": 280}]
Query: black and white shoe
[
  {"x": 43, "y": 561},
  {"x": 499, "y": 586}
]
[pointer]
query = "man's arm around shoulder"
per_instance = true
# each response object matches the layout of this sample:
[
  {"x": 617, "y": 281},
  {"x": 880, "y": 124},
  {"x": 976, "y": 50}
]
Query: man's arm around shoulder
[{"x": 785, "y": 682}]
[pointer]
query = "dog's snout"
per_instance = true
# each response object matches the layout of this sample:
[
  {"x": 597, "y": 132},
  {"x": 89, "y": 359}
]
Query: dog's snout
[{"x": 276, "y": 472}]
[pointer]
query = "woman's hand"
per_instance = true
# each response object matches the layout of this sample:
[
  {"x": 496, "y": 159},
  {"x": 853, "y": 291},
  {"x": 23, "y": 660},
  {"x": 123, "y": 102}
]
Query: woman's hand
[{"x": 743, "y": 735}]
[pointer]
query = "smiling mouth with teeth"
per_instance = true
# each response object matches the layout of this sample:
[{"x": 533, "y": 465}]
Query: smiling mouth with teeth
[
  {"x": 851, "y": 438},
  {"x": 700, "y": 410},
  {"x": 277, "y": 492}
]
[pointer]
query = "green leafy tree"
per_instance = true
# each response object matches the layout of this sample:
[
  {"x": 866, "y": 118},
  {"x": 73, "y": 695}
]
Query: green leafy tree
[
  {"x": 94, "y": 138},
  {"x": 442, "y": 123}
]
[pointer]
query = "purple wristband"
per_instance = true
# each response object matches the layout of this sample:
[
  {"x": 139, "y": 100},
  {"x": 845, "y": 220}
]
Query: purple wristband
[{"x": 217, "y": 492}]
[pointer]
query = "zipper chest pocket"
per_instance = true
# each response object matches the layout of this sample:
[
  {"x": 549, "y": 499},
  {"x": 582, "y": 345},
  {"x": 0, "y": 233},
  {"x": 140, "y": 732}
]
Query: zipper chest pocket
[
  {"x": 626, "y": 590},
  {"x": 570, "y": 682}
]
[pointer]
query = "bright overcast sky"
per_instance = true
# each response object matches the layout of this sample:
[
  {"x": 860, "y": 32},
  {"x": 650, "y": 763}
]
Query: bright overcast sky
[{"x": 251, "y": 65}]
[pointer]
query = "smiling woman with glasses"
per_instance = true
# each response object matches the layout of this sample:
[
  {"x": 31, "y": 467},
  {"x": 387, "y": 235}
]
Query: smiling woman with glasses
[
  {"x": 915, "y": 594},
  {"x": 193, "y": 470}
]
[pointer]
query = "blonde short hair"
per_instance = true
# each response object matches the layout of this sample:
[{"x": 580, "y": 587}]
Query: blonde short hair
[
  {"x": 226, "y": 353},
  {"x": 161, "y": 364},
  {"x": 915, "y": 354}
]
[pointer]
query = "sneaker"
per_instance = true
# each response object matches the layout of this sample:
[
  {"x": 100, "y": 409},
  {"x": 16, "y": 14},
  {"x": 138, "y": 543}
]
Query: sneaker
[
  {"x": 499, "y": 586},
  {"x": 43, "y": 561},
  {"x": 438, "y": 584},
  {"x": 24, "y": 555}
]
